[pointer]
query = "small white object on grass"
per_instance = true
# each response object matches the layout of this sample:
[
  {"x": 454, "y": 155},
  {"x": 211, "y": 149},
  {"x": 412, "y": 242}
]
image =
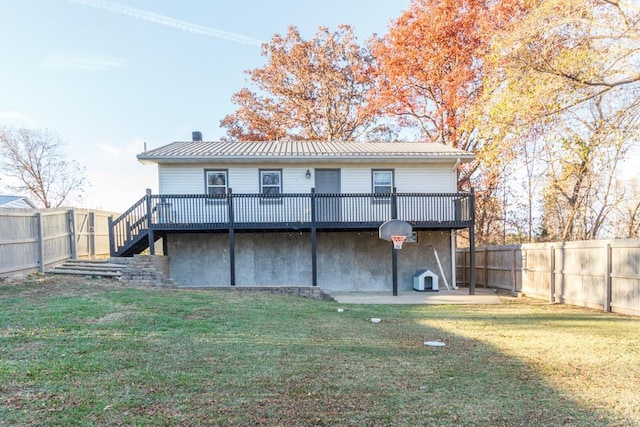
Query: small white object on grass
[
  {"x": 434, "y": 343},
  {"x": 340, "y": 310},
  {"x": 376, "y": 320}
]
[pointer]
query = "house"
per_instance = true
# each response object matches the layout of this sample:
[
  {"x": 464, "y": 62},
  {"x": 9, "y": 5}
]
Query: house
[
  {"x": 293, "y": 213},
  {"x": 19, "y": 202}
]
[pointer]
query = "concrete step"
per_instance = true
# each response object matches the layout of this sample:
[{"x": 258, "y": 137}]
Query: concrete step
[
  {"x": 89, "y": 267},
  {"x": 85, "y": 272},
  {"x": 102, "y": 267},
  {"x": 96, "y": 262}
]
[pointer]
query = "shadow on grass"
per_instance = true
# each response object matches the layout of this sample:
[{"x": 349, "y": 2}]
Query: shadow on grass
[{"x": 111, "y": 355}]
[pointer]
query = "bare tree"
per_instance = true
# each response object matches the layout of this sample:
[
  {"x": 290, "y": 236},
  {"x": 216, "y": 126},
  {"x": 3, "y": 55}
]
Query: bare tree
[
  {"x": 583, "y": 168},
  {"x": 33, "y": 162},
  {"x": 562, "y": 87},
  {"x": 628, "y": 211}
]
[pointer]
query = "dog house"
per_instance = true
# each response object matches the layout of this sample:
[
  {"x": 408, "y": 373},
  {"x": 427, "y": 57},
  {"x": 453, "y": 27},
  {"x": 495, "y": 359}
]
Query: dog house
[{"x": 425, "y": 280}]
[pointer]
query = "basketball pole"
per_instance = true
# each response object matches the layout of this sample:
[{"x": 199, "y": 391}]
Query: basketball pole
[{"x": 394, "y": 268}]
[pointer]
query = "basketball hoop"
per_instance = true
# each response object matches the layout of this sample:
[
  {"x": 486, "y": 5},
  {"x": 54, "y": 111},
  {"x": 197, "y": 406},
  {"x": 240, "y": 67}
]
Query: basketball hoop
[
  {"x": 398, "y": 241},
  {"x": 395, "y": 231}
]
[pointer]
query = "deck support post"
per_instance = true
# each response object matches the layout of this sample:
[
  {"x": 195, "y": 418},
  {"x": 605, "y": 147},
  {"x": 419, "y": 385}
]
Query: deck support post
[
  {"x": 152, "y": 242},
  {"x": 472, "y": 245},
  {"x": 394, "y": 252},
  {"x": 151, "y": 237},
  {"x": 314, "y": 243},
  {"x": 165, "y": 245},
  {"x": 112, "y": 238},
  {"x": 232, "y": 241}
]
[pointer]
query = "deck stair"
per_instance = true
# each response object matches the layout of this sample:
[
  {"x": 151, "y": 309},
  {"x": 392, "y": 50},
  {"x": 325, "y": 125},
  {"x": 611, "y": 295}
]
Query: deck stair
[{"x": 89, "y": 267}]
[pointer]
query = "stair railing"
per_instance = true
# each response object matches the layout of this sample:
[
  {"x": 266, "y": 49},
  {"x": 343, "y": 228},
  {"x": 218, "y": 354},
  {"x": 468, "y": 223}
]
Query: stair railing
[{"x": 130, "y": 226}]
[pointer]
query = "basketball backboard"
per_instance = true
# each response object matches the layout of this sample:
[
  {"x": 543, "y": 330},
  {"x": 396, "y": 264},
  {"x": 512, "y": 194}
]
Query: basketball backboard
[{"x": 396, "y": 231}]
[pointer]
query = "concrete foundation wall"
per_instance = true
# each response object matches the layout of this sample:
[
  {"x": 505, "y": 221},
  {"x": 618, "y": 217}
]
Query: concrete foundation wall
[
  {"x": 199, "y": 259},
  {"x": 353, "y": 261}
]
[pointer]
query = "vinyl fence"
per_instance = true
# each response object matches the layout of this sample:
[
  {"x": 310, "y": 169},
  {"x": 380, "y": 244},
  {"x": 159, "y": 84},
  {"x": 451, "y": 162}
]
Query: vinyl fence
[
  {"x": 602, "y": 274},
  {"x": 32, "y": 239}
]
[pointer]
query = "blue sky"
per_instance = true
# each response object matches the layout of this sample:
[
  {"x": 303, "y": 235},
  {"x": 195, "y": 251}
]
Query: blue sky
[{"x": 110, "y": 76}]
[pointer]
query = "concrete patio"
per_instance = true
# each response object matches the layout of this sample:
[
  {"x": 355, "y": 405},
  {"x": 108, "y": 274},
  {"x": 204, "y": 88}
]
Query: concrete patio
[{"x": 459, "y": 296}]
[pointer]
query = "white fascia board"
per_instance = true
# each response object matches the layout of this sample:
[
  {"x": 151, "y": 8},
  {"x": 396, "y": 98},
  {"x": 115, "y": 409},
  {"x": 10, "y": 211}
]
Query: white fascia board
[{"x": 306, "y": 159}]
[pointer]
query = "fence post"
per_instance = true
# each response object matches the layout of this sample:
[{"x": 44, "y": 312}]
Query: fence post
[
  {"x": 607, "y": 279},
  {"x": 552, "y": 278},
  {"x": 72, "y": 231},
  {"x": 464, "y": 267},
  {"x": 92, "y": 234},
  {"x": 513, "y": 272},
  {"x": 485, "y": 266},
  {"x": 40, "y": 241}
]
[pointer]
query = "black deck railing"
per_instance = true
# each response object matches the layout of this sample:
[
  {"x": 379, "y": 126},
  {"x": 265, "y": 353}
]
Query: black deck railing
[{"x": 164, "y": 213}]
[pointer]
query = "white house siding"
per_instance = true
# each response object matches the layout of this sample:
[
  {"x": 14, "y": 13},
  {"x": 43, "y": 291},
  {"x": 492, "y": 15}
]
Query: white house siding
[
  {"x": 281, "y": 259},
  {"x": 174, "y": 179},
  {"x": 354, "y": 178},
  {"x": 189, "y": 179}
]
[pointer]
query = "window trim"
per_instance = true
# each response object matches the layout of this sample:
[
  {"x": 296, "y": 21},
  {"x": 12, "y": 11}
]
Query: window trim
[
  {"x": 270, "y": 197},
  {"x": 382, "y": 198},
  {"x": 207, "y": 186}
]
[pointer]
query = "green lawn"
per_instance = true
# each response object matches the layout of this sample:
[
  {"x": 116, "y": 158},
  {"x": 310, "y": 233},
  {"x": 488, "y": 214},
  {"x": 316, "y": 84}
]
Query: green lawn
[{"x": 93, "y": 352}]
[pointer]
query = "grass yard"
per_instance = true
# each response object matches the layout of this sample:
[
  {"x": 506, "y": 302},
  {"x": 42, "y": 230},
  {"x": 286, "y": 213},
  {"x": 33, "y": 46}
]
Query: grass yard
[{"x": 93, "y": 352}]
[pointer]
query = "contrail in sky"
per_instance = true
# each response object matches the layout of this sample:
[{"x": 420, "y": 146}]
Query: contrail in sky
[{"x": 167, "y": 21}]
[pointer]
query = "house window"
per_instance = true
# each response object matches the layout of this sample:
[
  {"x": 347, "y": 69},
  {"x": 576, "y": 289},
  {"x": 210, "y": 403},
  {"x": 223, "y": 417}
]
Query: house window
[
  {"x": 270, "y": 181},
  {"x": 216, "y": 182},
  {"x": 382, "y": 181}
]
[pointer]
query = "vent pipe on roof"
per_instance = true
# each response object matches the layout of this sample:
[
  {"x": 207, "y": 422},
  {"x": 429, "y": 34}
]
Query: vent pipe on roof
[{"x": 196, "y": 136}]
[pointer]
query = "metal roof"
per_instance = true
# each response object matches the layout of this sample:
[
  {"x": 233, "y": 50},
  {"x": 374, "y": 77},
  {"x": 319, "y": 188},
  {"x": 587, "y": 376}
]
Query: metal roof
[
  {"x": 15, "y": 202},
  {"x": 198, "y": 151}
]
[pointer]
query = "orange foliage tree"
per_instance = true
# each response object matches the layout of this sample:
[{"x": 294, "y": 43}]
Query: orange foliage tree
[
  {"x": 430, "y": 75},
  {"x": 430, "y": 67},
  {"x": 308, "y": 90}
]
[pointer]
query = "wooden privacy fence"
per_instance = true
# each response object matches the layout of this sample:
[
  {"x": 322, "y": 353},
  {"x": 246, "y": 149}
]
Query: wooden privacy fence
[
  {"x": 602, "y": 274},
  {"x": 31, "y": 239}
]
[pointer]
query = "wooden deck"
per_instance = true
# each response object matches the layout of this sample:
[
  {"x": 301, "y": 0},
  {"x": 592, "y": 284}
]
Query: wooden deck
[{"x": 156, "y": 215}]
